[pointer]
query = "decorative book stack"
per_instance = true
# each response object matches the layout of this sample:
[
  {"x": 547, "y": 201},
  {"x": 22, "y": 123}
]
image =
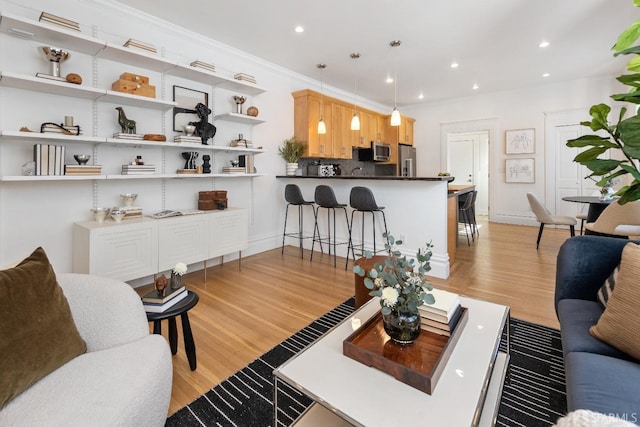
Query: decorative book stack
[
  {"x": 138, "y": 169},
  {"x": 245, "y": 77},
  {"x": 62, "y": 129},
  {"x": 234, "y": 169},
  {"x": 137, "y": 44},
  {"x": 133, "y": 136},
  {"x": 204, "y": 66},
  {"x": 442, "y": 316},
  {"x": 82, "y": 169},
  {"x": 61, "y": 22},
  {"x": 185, "y": 138},
  {"x": 155, "y": 303},
  {"x": 49, "y": 159},
  {"x": 131, "y": 212}
]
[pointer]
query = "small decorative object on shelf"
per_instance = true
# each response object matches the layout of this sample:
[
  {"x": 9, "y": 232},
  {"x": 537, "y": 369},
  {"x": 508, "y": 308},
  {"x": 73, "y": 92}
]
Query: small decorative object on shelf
[
  {"x": 176, "y": 275},
  {"x": 128, "y": 198},
  {"x": 134, "y": 84},
  {"x": 117, "y": 214},
  {"x": 127, "y": 125},
  {"x": 160, "y": 284},
  {"x": 239, "y": 100},
  {"x": 190, "y": 159},
  {"x": 401, "y": 289},
  {"x": 82, "y": 159},
  {"x": 252, "y": 111},
  {"x": 55, "y": 56},
  {"x": 206, "y": 166},
  {"x": 189, "y": 129},
  {"x": 204, "y": 129},
  {"x": 99, "y": 214},
  {"x": 74, "y": 78}
]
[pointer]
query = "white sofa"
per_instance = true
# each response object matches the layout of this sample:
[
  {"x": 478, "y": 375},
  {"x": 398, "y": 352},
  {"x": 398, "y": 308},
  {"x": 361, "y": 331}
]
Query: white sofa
[{"x": 124, "y": 378}]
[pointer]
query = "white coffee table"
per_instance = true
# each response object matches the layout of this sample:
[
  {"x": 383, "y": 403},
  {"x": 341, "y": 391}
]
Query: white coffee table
[{"x": 347, "y": 392}]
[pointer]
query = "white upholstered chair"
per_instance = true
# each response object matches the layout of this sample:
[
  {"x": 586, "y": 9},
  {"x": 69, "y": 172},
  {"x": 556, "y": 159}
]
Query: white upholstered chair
[
  {"x": 618, "y": 220},
  {"x": 543, "y": 216}
]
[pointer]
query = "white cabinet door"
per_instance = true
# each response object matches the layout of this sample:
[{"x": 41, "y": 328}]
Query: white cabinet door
[
  {"x": 229, "y": 232},
  {"x": 182, "y": 239},
  {"x": 121, "y": 251}
]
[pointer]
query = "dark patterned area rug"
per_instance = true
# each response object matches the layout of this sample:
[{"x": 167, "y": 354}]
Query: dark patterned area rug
[{"x": 533, "y": 395}]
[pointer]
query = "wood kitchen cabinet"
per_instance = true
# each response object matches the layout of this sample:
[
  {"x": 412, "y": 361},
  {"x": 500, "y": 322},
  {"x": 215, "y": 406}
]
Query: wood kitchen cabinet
[
  {"x": 402, "y": 134},
  {"x": 343, "y": 137},
  {"x": 305, "y": 126}
]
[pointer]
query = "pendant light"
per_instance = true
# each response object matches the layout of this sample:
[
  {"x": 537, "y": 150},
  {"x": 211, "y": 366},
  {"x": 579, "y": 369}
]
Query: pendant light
[
  {"x": 355, "y": 121},
  {"x": 395, "y": 114},
  {"x": 322, "y": 127}
]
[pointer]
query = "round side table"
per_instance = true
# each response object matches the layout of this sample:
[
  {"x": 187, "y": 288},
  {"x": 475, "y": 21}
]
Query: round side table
[{"x": 180, "y": 309}]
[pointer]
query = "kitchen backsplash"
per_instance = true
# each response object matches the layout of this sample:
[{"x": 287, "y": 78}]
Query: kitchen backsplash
[{"x": 347, "y": 166}]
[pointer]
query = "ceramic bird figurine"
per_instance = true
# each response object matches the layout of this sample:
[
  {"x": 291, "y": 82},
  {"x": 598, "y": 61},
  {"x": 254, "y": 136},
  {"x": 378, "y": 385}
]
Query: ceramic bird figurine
[{"x": 127, "y": 125}]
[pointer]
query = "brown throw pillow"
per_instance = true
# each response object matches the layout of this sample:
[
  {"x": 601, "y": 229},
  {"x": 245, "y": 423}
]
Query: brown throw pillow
[
  {"x": 38, "y": 334},
  {"x": 619, "y": 324}
]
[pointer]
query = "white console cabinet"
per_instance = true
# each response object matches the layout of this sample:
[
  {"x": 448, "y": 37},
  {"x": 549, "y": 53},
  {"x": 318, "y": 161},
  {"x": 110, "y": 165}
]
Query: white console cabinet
[{"x": 142, "y": 247}]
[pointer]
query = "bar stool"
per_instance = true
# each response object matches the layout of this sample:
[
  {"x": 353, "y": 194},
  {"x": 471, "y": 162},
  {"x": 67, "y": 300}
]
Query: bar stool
[
  {"x": 466, "y": 215},
  {"x": 326, "y": 198},
  {"x": 361, "y": 200},
  {"x": 293, "y": 197}
]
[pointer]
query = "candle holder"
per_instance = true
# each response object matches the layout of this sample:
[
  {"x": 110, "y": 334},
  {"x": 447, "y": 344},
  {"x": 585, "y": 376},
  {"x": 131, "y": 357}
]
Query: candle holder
[{"x": 55, "y": 56}]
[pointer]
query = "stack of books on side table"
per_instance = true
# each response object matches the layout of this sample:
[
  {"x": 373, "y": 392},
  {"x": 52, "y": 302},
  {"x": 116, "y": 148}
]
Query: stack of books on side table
[
  {"x": 442, "y": 316},
  {"x": 154, "y": 303}
]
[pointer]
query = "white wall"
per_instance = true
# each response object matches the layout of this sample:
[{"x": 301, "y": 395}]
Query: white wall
[{"x": 516, "y": 109}]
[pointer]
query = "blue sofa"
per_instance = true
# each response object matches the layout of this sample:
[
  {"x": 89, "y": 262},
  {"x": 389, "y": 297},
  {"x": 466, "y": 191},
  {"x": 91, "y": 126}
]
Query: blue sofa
[{"x": 599, "y": 377}]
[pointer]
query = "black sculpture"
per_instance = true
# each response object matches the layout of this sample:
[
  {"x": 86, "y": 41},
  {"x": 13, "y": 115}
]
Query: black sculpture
[
  {"x": 206, "y": 166},
  {"x": 127, "y": 125},
  {"x": 204, "y": 129}
]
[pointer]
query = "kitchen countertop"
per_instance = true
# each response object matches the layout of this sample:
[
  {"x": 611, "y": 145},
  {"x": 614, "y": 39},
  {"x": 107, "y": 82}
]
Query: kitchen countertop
[{"x": 379, "y": 178}]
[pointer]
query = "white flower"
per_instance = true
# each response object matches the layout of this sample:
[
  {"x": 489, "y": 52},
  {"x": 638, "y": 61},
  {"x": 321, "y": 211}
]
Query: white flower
[
  {"x": 389, "y": 296},
  {"x": 180, "y": 268}
]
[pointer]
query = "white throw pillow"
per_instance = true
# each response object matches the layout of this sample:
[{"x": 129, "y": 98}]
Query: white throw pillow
[{"x": 585, "y": 418}]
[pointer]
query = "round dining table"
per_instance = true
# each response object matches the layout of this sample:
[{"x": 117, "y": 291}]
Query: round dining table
[{"x": 596, "y": 205}]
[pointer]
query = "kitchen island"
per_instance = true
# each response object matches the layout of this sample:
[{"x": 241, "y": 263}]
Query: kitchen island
[{"x": 415, "y": 208}]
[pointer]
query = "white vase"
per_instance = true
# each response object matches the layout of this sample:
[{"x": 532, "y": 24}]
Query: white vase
[{"x": 292, "y": 168}]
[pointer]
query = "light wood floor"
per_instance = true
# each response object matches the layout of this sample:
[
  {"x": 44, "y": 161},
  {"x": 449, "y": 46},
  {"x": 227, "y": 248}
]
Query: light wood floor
[{"x": 242, "y": 314}]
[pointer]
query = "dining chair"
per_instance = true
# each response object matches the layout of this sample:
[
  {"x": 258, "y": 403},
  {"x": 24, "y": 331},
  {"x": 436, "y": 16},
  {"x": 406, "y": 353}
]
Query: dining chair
[
  {"x": 617, "y": 220},
  {"x": 543, "y": 216}
]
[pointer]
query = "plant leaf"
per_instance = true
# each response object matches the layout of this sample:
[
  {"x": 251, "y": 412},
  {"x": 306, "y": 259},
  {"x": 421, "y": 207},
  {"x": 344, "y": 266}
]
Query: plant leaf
[
  {"x": 590, "y": 154},
  {"x": 602, "y": 166},
  {"x": 629, "y": 130},
  {"x": 633, "y": 97},
  {"x": 590, "y": 140},
  {"x": 628, "y": 37},
  {"x": 634, "y": 64},
  {"x": 632, "y": 194},
  {"x": 428, "y": 298},
  {"x": 599, "y": 113},
  {"x": 369, "y": 283},
  {"x": 358, "y": 270},
  {"x": 634, "y": 49},
  {"x": 633, "y": 171}
]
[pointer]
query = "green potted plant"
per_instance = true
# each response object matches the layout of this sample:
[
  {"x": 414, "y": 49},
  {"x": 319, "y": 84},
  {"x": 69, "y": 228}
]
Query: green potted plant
[
  {"x": 623, "y": 135},
  {"x": 291, "y": 150},
  {"x": 401, "y": 287}
]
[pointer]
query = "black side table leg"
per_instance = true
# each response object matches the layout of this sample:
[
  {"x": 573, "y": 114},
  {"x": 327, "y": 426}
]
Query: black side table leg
[
  {"x": 157, "y": 327},
  {"x": 189, "y": 345},
  {"x": 173, "y": 335}
]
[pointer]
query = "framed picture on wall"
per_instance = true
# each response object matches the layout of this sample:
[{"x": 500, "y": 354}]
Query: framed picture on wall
[
  {"x": 185, "y": 111},
  {"x": 520, "y": 141},
  {"x": 520, "y": 170}
]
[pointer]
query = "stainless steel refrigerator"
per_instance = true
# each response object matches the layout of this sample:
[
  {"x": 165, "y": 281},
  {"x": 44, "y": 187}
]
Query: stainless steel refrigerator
[{"x": 406, "y": 160}]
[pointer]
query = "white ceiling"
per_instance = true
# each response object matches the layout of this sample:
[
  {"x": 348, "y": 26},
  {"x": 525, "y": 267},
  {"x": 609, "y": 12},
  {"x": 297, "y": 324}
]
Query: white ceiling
[{"x": 494, "y": 41}]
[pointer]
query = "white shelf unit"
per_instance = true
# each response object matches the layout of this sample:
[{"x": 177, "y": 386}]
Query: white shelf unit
[{"x": 78, "y": 42}]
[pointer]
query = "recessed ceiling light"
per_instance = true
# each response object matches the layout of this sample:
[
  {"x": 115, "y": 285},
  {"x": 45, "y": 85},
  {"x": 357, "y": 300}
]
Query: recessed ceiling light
[
  {"x": 544, "y": 43},
  {"x": 454, "y": 64},
  {"x": 299, "y": 29},
  {"x": 546, "y": 75},
  {"x": 389, "y": 79},
  {"x": 421, "y": 96},
  {"x": 475, "y": 86}
]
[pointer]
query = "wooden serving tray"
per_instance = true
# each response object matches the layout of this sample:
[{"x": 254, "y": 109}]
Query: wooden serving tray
[{"x": 419, "y": 364}]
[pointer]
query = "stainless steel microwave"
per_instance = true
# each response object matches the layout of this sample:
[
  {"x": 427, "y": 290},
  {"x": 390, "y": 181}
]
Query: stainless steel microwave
[{"x": 381, "y": 152}]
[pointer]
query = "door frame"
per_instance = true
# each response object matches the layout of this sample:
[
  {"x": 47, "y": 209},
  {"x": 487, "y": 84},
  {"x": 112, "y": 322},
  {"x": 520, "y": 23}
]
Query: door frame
[{"x": 473, "y": 126}]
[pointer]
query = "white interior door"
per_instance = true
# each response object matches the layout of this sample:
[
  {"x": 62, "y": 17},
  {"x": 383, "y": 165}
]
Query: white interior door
[
  {"x": 570, "y": 176},
  {"x": 468, "y": 162}
]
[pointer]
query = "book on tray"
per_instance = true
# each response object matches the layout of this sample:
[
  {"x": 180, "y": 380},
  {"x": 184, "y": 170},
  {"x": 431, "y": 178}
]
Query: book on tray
[
  {"x": 444, "y": 307},
  {"x": 169, "y": 294},
  {"x": 151, "y": 307},
  {"x": 439, "y": 327}
]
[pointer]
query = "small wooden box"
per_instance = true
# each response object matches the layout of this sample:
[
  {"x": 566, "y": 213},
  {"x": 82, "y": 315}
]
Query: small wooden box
[
  {"x": 206, "y": 205},
  {"x": 135, "y": 88},
  {"x": 135, "y": 78},
  {"x": 212, "y": 195}
]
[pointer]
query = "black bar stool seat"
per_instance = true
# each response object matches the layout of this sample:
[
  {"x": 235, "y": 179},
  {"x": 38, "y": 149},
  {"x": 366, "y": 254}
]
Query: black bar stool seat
[
  {"x": 293, "y": 197},
  {"x": 362, "y": 200},
  {"x": 325, "y": 198}
]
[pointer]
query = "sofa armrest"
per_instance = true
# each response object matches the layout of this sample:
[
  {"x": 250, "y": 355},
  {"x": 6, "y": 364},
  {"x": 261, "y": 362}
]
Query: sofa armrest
[
  {"x": 583, "y": 264},
  {"x": 107, "y": 312}
]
